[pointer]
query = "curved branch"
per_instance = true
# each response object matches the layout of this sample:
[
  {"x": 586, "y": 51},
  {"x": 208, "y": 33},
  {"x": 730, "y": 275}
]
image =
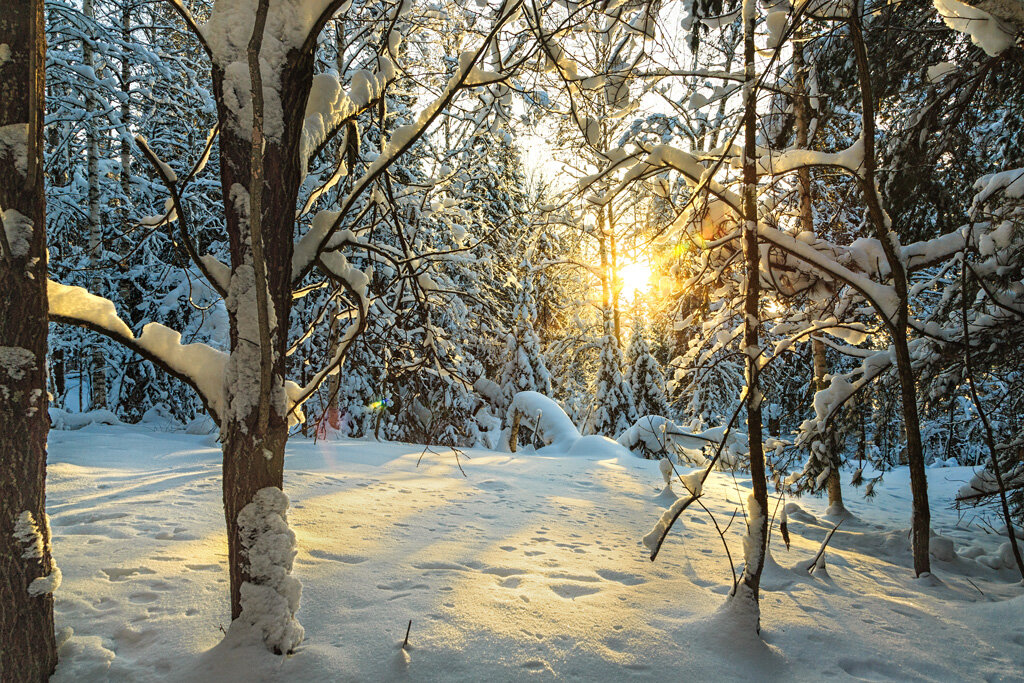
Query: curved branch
[{"x": 197, "y": 365}]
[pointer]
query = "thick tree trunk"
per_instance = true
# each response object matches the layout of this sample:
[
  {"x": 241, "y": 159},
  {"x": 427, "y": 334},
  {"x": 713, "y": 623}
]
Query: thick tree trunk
[
  {"x": 254, "y": 449},
  {"x": 27, "y": 645},
  {"x": 757, "y": 516}
]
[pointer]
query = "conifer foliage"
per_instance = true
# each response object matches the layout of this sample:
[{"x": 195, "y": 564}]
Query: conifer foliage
[
  {"x": 525, "y": 369},
  {"x": 614, "y": 406},
  {"x": 644, "y": 375}
]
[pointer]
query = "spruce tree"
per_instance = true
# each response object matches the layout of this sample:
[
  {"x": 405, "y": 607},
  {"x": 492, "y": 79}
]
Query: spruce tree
[
  {"x": 614, "y": 409},
  {"x": 525, "y": 369},
  {"x": 644, "y": 375}
]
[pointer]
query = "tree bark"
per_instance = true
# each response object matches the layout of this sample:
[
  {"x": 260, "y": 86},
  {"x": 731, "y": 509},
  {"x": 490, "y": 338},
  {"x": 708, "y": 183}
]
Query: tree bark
[
  {"x": 254, "y": 448},
  {"x": 802, "y": 111},
  {"x": 97, "y": 360},
  {"x": 757, "y": 520},
  {"x": 27, "y": 645},
  {"x": 898, "y": 327}
]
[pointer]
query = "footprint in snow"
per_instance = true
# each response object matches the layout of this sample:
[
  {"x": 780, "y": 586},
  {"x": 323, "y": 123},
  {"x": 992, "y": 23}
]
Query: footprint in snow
[
  {"x": 571, "y": 591},
  {"x": 122, "y": 573},
  {"x": 624, "y": 578},
  {"x": 335, "y": 557}
]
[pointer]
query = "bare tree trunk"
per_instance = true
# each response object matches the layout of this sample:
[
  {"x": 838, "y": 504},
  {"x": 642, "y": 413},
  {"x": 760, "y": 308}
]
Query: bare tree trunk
[
  {"x": 97, "y": 361},
  {"x": 613, "y": 265},
  {"x": 27, "y": 645},
  {"x": 757, "y": 517},
  {"x": 126, "y": 75},
  {"x": 898, "y": 327},
  {"x": 802, "y": 111}
]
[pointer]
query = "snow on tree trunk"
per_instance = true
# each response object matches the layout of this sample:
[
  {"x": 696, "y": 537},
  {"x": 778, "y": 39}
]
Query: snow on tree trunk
[
  {"x": 746, "y": 595},
  {"x": 97, "y": 359},
  {"x": 27, "y": 572},
  {"x": 254, "y": 448},
  {"x": 270, "y": 595}
]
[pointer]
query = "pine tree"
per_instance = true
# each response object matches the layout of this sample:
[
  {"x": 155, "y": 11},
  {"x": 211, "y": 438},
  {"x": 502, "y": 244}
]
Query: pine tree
[
  {"x": 525, "y": 369},
  {"x": 614, "y": 409},
  {"x": 644, "y": 374}
]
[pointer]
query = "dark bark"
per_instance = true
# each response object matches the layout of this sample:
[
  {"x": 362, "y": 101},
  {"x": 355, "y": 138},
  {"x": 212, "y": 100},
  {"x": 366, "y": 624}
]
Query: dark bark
[
  {"x": 27, "y": 645},
  {"x": 802, "y": 111},
  {"x": 757, "y": 524},
  {"x": 253, "y": 448},
  {"x": 899, "y": 325}
]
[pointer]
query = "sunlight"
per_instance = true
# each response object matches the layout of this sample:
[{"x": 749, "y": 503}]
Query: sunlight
[{"x": 634, "y": 278}]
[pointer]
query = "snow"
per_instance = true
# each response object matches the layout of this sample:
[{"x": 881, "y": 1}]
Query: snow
[
  {"x": 545, "y": 417},
  {"x": 46, "y": 584},
  {"x": 269, "y": 601},
  {"x": 328, "y": 105},
  {"x": 26, "y": 532},
  {"x": 18, "y": 227},
  {"x": 531, "y": 566},
  {"x": 985, "y": 30},
  {"x": 14, "y": 144},
  {"x": 227, "y": 33},
  {"x": 939, "y": 71},
  {"x": 5, "y": 53},
  {"x": 166, "y": 172},
  {"x": 16, "y": 361},
  {"x": 204, "y": 364}
]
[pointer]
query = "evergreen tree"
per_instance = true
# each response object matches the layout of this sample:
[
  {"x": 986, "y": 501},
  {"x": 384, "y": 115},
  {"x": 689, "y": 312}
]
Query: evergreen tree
[
  {"x": 614, "y": 409},
  {"x": 525, "y": 369},
  {"x": 644, "y": 374}
]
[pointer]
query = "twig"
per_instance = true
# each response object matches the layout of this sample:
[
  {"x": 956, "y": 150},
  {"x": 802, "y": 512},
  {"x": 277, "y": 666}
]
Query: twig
[
  {"x": 721, "y": 534},
  {"x": 821, "y": 550},
  {"x": 405, "y": 643}
]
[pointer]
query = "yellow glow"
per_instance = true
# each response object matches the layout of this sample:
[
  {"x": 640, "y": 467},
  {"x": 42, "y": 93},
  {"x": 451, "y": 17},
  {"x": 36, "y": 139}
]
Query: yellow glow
[{"x": 634, "y": 278}]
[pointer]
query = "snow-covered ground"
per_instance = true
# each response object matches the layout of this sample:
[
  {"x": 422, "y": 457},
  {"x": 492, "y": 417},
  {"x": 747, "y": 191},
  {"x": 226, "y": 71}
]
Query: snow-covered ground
[{"x": 529, "y": 567}]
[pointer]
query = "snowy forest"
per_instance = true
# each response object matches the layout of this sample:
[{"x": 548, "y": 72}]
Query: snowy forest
[{"x": 511, "y": 339}]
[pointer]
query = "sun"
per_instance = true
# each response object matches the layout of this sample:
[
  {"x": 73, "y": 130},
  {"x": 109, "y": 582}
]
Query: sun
[{"x": 634, "y": 279}]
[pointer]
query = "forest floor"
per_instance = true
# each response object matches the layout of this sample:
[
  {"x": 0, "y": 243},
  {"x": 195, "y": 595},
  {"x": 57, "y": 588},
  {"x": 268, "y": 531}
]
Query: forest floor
[{"x": 530, "y": 567}]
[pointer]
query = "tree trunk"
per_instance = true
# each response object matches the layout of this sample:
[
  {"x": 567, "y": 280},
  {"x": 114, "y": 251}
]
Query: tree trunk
[
  {"x": 802, "y": 111},
  {"x": 97, "y": 360},
  {"x": 27, "y": 640},
  {"x": 254, "y": 448},
  {"x": 833, "y": 484},
  {"x": 757, "y": 516},
  {"x": 898, "y": 327},
  {"x": 126, "y": 145}
]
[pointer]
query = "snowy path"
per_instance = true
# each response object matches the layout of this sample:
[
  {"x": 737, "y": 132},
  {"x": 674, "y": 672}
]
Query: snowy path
[{"x": 531, "y": 567}]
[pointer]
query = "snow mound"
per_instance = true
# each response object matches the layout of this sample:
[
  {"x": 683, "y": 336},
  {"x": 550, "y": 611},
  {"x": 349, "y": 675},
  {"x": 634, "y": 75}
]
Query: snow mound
[
  {"x": 62, "y": 419},
  {"x": 560, "y": 436}
]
